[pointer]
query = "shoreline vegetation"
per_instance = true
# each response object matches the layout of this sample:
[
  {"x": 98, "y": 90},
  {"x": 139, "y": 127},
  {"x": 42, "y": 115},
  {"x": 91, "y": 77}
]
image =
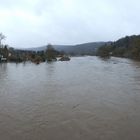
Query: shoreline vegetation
[
  {"x": 127, "y": 47},
  {"x": 49, "y": 55}
]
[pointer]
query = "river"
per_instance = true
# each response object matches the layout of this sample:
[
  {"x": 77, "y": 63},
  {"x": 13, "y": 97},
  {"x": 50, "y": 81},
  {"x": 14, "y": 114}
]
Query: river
[{"x": 87, "y": 98}]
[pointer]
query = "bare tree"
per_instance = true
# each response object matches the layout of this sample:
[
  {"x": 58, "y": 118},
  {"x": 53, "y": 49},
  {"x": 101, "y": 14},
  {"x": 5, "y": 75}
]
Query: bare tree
[{"x": 2, "y": 37}]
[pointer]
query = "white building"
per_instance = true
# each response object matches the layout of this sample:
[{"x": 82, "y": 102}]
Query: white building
[{"x": 2, "y": 58}]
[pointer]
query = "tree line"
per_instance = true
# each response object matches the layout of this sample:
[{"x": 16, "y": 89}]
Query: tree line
[
  {"x": 15, "y": 55},
  {"x": 128, "y": 47}
]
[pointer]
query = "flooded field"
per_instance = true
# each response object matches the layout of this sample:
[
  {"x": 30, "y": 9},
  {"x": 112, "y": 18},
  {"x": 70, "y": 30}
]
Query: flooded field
[{"x": 87, "y": 98}]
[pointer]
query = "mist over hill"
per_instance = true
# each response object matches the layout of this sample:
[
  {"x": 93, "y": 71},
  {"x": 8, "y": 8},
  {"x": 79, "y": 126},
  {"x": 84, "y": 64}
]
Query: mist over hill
[
  {"x": 128, "y": 46},
  {"x": 79, "y": 49}
]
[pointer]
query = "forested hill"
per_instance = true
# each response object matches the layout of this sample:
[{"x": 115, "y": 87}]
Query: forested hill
[{"x": 128, "y": 47}]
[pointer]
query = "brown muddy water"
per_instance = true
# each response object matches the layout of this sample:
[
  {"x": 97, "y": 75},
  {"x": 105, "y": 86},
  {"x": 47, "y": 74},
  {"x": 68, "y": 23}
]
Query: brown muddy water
[{"x": 86, "y": 98}]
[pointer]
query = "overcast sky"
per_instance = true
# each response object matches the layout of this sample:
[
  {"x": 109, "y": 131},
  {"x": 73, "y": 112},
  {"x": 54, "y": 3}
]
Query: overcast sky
[{"x": 33, "y": 23}]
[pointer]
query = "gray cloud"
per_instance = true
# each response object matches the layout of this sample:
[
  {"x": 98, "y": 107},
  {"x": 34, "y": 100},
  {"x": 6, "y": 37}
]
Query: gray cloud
[{"x": 31, "y": 23}]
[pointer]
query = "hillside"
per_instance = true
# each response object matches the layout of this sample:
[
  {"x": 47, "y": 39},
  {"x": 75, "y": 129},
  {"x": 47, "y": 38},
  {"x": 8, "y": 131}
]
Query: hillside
[
  {"x": 128, "y": 47},
  {"x": 79, "y": 49}
]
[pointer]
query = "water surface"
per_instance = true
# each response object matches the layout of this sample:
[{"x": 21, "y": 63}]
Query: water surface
[{"x": 87, "y": 98}]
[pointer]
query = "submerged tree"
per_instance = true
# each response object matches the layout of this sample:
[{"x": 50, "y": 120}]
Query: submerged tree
[{"x": 51, "y": 53}]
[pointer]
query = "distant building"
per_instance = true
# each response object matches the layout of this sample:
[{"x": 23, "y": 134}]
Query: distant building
[
  {"x": 2, "y": 58},
  {"x": 9, "y": 54}
]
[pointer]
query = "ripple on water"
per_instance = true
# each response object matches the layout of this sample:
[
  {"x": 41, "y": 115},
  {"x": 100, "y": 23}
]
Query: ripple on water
[{"x": 85, "y": 98}]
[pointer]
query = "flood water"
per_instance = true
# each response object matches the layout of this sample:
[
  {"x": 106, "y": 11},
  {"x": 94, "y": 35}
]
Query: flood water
[{"x": 87, "y": 98}]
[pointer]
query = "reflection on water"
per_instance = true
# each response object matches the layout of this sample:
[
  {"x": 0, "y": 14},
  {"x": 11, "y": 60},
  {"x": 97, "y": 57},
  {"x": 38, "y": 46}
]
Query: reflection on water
[{"x": 85, "y": 99}]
